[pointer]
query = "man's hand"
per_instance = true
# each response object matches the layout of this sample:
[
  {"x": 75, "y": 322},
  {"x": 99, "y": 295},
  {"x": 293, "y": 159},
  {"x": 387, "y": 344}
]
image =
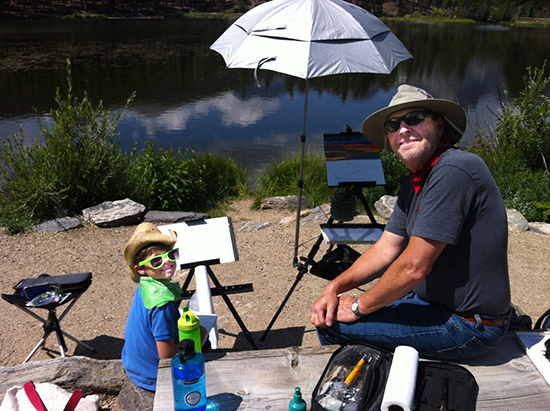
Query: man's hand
[
  {"x": 324, "y": 309},
  {"x": 344, "y": 314},
  {"x": 330, "y": 308}
]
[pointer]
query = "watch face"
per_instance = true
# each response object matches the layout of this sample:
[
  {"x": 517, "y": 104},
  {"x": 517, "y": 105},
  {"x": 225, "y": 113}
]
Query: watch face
[{"x": 355, "y": 307}]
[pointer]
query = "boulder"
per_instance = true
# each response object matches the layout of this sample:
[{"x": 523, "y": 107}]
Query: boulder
[
  {"x": 114, "y": 213},
  {"x": 517, "y": 223},
  {"x": 384, "y": 205}
]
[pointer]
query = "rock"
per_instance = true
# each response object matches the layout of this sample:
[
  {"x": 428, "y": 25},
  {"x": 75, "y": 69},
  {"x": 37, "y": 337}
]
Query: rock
[
  {"x": 517, "y": 223},
  {"x": 283, "y": 202},
  {"x": 319, "y": 214},
  {"x": 59, "y": 224},
  {"x": 172, "y": 216},
  {"x": 114, "y": 213},
  {"x": 89, "y": 375},
  {"x": 385, "y": 205},
  {"x": 541, "y": 228},
  {"x": 255, "y": 226}
]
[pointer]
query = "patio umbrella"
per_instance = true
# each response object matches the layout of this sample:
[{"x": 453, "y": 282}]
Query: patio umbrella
[{"x": 309, "y": 39}]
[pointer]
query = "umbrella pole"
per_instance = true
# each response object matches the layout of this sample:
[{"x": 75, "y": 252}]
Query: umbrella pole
[{"x": 300, "y": 181}]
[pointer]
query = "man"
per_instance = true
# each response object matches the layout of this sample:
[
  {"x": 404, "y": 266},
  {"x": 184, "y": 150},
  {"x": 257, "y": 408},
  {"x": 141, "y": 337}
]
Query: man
[{"x": 441, "y": 263}]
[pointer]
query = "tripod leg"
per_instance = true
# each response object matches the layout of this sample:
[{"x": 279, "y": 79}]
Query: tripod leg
[
  {"x": 55, "y": 327},
  {"x": 303, "y": 270},
  {"x": 301, "y": 273},
  {"x": 36, "y": 347},
  {"x": 246, "y": 333}
]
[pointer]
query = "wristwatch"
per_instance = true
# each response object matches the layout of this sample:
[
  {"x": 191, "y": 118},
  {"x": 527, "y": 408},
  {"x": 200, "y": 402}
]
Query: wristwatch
[{"x": 355, "y": 308}]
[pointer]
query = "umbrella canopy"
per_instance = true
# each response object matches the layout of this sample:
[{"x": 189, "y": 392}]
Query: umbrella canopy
[{"x": 310, "y": 38}]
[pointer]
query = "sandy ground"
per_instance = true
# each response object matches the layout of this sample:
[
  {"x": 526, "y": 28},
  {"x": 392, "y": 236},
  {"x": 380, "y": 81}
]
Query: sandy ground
[{"x": 265, "y": 259}]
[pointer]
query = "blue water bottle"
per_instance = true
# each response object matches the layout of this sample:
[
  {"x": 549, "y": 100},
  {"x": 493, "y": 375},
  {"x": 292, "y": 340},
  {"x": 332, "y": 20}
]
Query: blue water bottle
[{"x": 188, "y": 379}]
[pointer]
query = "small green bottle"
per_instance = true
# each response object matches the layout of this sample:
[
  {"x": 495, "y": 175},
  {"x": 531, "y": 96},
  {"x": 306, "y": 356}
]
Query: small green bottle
[{"x": 297, "y": 403}]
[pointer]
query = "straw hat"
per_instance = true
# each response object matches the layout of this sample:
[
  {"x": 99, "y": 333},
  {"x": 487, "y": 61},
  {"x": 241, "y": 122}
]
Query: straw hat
[
  {"x": 414, "y": 97},
  {"x": 145, "y": 234}
]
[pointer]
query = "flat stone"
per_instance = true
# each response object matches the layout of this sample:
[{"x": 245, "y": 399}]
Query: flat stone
[
  {"x": 58, "y": 225},
  {"x": 155, "y": 216},
  {"x": 540, "y": 228},
  {"x": 255, "y": 226},
  {"x": 284, "y": 202}
]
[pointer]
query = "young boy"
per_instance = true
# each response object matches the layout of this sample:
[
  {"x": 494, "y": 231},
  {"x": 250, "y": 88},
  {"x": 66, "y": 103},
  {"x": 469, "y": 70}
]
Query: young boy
[{"x": 151, "y": 328}]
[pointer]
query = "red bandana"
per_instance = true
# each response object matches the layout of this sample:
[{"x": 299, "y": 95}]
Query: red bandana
[{"x": 418, "y": 179}]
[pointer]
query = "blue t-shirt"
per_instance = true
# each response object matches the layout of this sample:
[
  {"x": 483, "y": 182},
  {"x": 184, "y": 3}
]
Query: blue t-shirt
[
  {"x": 460, "y": 205},
  {"x": 143, "y": 329}
]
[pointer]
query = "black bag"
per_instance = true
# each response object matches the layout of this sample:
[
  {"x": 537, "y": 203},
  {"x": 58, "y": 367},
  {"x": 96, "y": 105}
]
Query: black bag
[
  {"x": 335, "y": 262},
  {"x": 356, "y": 374}
]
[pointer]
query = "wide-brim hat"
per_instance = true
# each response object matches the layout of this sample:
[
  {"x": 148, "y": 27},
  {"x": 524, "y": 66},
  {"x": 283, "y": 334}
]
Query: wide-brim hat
[
  {"x": 145, "y": 234},
  {"x": 414, "y": 97}
]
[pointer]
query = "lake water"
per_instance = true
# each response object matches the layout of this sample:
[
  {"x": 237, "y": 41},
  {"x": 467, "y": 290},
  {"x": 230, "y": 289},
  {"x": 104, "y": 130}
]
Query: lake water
[{"x": 187, "y": 98}]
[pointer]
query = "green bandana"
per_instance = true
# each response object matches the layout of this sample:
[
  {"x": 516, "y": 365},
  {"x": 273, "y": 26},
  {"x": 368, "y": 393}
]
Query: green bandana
[{"x": 156, "y": 293}]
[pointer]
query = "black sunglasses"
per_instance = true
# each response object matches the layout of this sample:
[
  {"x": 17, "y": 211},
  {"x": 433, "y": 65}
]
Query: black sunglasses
[{"x": 412, "y": 119}]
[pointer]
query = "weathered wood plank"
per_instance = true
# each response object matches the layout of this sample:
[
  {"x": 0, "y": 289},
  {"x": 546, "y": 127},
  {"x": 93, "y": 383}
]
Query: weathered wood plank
[{"x": 265, "y": 379}]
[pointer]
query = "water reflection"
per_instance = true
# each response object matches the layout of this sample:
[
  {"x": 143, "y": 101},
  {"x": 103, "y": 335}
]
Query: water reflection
[{"x": 186, "y": 97}]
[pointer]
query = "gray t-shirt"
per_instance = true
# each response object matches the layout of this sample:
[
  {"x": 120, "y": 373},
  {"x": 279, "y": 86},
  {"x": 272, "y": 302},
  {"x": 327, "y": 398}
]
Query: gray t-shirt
[{"x": 460, "y": 205}]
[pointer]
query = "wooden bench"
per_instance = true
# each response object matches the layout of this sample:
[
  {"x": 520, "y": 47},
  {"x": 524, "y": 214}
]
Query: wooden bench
[{"x": 265, "y": 379}]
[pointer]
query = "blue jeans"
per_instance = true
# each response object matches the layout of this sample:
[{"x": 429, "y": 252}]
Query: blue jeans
[{"x": 433, "y": 330}]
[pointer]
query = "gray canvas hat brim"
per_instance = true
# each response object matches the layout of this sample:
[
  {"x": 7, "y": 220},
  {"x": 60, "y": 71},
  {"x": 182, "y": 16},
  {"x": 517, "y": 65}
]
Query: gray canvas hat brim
[{"x": 414, "y": 97}]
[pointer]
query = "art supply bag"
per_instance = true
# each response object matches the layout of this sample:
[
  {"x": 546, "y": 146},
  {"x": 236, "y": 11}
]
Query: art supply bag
[{"x": 360, "y": 377}]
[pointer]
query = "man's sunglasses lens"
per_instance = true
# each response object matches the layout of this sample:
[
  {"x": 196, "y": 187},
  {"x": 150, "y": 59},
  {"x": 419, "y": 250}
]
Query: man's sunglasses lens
[{"x": 412, "y": 119}]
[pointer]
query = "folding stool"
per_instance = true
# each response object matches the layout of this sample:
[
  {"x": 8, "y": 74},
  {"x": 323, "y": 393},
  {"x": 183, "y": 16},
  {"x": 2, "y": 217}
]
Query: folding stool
[{"x": 71, "y": 288}]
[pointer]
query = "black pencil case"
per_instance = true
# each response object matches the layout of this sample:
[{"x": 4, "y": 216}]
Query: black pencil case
[{"x": 355, "y": 380}]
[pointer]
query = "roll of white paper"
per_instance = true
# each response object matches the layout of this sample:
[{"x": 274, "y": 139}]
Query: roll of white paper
[{"x": 400, "y": 387}]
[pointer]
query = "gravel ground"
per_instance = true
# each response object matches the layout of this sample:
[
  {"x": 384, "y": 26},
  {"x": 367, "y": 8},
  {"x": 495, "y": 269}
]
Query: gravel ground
[{"x": 265, "y": 259}]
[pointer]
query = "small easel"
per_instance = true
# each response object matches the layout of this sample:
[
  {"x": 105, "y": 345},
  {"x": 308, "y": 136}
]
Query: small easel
[{"x": 205, "y": 243}]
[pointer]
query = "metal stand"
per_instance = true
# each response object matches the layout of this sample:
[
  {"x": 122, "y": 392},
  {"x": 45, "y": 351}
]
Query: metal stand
[
  {"x": 51, "y": 324},
  {"x": 220, "y": 290},
  {"x": 357, "y": 190}
]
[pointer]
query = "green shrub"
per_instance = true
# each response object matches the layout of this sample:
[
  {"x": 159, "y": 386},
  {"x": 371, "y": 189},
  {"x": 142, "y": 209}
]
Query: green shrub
[
  {"x": 75, "y": 163},
  {"x": 171, "y": 180},
  {"x": 281, "y": 179},
  {"x": 518, "y": 153}
]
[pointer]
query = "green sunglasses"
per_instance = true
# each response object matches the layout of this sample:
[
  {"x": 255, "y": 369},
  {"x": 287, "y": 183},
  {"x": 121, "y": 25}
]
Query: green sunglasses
[{"x": 157, "y": 261}]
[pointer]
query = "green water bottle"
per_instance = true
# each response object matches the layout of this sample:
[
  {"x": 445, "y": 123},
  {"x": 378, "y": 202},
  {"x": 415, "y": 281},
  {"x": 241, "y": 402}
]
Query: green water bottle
[
  {"x": 297, "y": 403},
  {"x": 189, "y": 327}
]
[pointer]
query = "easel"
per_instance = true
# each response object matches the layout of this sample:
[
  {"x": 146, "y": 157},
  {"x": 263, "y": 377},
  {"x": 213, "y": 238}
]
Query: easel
[
  {"x": 348, "y": 169},
  {"x": 357, "y": 190},
  {"x": 204, "y": 243}
]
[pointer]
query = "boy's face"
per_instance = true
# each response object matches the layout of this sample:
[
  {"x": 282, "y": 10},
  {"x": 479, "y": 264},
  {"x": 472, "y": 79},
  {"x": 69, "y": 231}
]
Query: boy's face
[{"x": 165, "y": 272}]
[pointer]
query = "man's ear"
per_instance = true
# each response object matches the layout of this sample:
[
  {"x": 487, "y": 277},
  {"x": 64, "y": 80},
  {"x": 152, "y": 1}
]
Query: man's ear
[{"x": 440, "y": 125}]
